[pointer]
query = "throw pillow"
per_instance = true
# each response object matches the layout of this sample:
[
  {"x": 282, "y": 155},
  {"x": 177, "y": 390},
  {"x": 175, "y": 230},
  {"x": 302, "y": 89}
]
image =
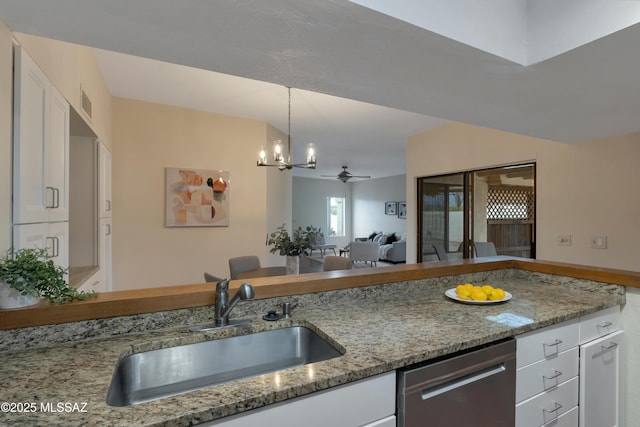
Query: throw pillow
[
  {"x": 382, "y": 238},
  {"x": 392, "y": 238},
  {"x": 372, "y": 235}
]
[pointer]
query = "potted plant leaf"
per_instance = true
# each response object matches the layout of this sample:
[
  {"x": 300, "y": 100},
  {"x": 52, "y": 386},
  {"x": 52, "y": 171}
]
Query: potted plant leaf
[
  {"x": 27, "y": 275},
  {"x": 291, "y": 246}
]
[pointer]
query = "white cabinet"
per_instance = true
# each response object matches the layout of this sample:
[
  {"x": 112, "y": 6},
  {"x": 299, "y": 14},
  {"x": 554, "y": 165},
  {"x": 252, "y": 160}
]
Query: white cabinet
[
  {"x": 104, "y": 181},
  {"x": 53, "y": 236},
  {"x": 93, "y": 283},
  {"x": 600, "y": 375},
  {"x": 105, "y": 253},
  {"x": 41, "y": 146},
  {"x": 369, "y": 402},
  {"x": 568, "y": 374}
]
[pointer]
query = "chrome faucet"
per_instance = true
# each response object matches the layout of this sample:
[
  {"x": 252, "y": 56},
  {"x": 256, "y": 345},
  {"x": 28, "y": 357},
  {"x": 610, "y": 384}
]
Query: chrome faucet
[{"x": 223, "y": 306}]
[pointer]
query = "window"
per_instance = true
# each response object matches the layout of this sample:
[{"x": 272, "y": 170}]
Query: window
[{"x": 335, "y": 215}]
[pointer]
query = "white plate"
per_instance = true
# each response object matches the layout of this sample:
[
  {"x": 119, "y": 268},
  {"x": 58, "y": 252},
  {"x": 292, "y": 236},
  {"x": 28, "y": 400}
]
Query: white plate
[{"x": 451, "y": 293}]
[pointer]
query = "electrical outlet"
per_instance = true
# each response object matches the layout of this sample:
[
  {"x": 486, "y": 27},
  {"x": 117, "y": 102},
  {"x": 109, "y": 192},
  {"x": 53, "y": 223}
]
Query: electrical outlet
[
  {"x": 564, "y": 240},
  {"x": 598, "y": 242}
]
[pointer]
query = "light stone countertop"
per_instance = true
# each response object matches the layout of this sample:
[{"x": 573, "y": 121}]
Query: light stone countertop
[{"x": 382, "y": 328}]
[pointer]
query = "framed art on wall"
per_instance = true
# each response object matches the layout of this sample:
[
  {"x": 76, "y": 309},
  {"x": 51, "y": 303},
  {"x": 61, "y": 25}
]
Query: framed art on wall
[
  {"x": 402, "y": 209},
  {"x": 390, "y": 208},
  {"x": 196, "y": 198}
]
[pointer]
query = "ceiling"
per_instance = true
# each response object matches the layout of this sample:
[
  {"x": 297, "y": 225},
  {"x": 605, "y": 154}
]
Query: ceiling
[{"x": 396, "y": 78}]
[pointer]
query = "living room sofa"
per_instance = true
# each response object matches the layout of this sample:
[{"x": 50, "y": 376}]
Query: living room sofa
[
  {"x": 395, "y": 252},
  {"x": 393, "y": 248}
]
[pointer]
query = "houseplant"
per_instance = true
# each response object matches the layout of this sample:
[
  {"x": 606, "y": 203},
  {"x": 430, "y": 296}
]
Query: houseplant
[
  {"x": 28, "y": 273},
  {"x": 291, "y": 246}
]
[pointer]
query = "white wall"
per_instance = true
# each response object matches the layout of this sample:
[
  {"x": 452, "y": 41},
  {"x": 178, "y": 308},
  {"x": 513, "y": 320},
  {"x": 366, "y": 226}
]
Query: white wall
[
  {"x": 310, "y": 205},
  {"x": 369, "y": 197},
  {"x": 583, "y": 189}
]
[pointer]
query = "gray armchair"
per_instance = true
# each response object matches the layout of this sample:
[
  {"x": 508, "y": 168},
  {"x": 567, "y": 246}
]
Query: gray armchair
[{"x": 364, "y": 252}]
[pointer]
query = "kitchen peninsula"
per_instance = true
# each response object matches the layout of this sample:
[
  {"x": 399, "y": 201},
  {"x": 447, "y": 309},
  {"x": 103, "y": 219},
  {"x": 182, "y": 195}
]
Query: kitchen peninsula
[{"x": 384, "y": 319}]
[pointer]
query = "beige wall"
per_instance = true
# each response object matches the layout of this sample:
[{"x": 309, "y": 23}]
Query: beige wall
[
  {"x": 149, "y": 137},
  {"x": 584, "y": 189},
  {"x": 6, "y": 84}
]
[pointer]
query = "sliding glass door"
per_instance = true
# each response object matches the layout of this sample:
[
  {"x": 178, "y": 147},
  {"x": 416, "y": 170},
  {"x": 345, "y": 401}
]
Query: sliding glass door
[
  {"x": 490, "y": 205},
  {"x": 442, "y": 204}
]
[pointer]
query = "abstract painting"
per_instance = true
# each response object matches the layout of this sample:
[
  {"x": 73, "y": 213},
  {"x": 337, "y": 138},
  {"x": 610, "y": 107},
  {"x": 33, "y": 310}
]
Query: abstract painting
[{"x": 197, "y": 198}]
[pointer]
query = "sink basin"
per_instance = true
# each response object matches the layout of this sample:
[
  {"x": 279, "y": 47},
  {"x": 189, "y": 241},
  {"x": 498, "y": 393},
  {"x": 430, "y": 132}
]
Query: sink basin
[{"x": 151, "y": 375}]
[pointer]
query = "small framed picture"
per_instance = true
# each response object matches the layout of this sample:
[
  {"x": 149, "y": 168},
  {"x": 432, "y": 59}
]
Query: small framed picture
[
  {"x": 390, "y": 208},
  {"x": 402, "y": 209}
]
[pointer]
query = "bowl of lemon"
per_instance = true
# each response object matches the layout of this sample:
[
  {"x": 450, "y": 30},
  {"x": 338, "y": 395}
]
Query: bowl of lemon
[{"x": 475, "y": 294}]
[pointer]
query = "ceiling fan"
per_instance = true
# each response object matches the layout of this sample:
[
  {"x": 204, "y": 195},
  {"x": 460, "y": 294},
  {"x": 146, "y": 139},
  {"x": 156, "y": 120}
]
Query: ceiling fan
[{"x": 345, "y": 175}]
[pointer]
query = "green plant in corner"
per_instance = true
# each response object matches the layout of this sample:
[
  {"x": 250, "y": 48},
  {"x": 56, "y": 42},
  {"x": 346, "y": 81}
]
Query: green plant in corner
[
  {"x": 30, "y": 272},
  {"x": 284, "y": 244}
]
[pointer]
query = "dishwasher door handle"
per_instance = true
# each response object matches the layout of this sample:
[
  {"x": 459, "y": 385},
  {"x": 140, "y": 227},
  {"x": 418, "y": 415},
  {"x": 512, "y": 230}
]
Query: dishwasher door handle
[{"x": 461, "y": 382}]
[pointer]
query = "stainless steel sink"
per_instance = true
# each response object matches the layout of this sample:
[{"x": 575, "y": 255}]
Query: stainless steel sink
[{"x": 155, "y": 374}]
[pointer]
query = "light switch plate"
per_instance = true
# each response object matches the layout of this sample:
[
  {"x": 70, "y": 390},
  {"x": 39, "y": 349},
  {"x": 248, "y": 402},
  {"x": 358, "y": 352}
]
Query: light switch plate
[
  {"x": 564, "y": 240},
  {"x": 598, "y": 242}
]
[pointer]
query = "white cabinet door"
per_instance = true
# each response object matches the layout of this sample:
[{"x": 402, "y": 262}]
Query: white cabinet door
[
  {"x": 30, "y": 235},
  {"x": 105, "y": 248},
  {"x": 600, "y": 381},
  {"x": 40, "y": 146},
  {"x": 58, "y": 155},
  {"x": 53, "y": 236},
  {"x": 31, "y": 198},
  {"x": 104, "y": 167}
]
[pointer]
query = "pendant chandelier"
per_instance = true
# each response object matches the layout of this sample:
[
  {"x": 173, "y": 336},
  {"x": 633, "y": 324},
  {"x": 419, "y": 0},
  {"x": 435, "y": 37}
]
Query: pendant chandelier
[{"x": 282, "y": 154}]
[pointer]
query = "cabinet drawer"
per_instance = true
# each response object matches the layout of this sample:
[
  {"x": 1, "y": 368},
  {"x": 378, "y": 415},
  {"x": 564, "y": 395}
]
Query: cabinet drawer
[
  {"x": 368, "y": 401},
  {"x": 546, "y": 374},
  {"x": 569, "y": 419},
  {"x": 599, "y": 324},
  {"x": 546, "y": 343},
  {"x": 546, "y": 407}
]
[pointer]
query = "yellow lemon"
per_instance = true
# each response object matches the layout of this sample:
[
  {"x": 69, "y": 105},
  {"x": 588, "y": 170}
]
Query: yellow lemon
[
  {"x": 487, "y": 289},
  {"x": 463, "y": 293},
  {"x": 478, "y": 295},
  {"x": 468, "y": 286}
]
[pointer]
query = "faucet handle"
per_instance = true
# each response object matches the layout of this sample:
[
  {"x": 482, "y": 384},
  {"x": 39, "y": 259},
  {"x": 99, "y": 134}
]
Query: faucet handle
[{"x": 222, "y": 285}]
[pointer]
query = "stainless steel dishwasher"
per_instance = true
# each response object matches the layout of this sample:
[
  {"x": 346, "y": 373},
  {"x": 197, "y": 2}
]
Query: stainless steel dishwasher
[{"x": 472, "y": 388}]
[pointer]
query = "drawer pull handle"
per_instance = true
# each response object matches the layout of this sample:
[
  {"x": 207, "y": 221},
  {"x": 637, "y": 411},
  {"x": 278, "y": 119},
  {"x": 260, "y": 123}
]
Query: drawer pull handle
[
  {"x": 556, "y": 408},
  {"x": 555, "y": 342},
  {"x": 609, "y": 346},
  {"x": 556, "y": 374},
  {"x": 605, "y": 325}
]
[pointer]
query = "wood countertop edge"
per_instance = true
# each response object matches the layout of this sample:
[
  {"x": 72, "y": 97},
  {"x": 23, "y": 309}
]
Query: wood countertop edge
[{"x": 126, "y": 303}]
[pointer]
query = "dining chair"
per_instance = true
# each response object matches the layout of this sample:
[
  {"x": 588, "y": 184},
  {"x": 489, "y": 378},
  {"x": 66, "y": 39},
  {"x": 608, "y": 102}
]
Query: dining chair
[
  {"x": 441, "y": 252},
  {"x": 208, "y": 277},
  {"x": 243, "y": 263},
  {"x": 332, "y": 263},
  {"x": 485, "y": 249}
]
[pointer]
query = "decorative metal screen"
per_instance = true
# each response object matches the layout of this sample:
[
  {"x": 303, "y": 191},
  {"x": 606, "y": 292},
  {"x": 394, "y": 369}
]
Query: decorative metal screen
[{"x": 508, "y": 203}]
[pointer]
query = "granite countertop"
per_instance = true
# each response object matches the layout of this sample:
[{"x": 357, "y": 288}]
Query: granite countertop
[{"x": 381, "y": 328}]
